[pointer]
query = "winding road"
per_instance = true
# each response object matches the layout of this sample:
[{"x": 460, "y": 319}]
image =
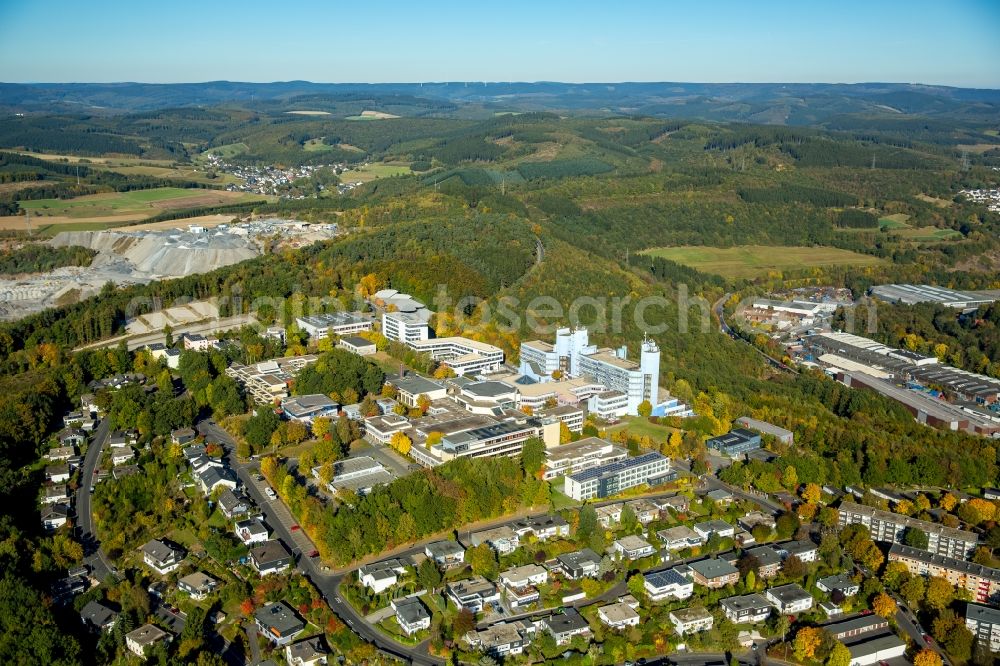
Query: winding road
[{"x": 95, "y": 557}]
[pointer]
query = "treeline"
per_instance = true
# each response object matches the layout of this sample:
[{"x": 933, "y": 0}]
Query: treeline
[
  {"x": 789, "y": 193},
  {"x": 36, "y": 258},
  {"x": 467, "y": 149}
]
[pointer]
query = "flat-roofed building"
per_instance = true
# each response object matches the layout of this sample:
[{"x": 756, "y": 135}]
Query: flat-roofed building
[
  {"x": 746, "y": 609},
  {"x": 445, "y": 553},
  {"x": 462, "y": 355},
  {"x": 679, "y": 537},
  {"x": 320, "y": 326},
  {"x": 581, "y": 455},
  {"x": 360, "y": 475},
  {"x": 503, "y": 438},
  {"x": 667, "y": 584},
  {"x": 267, "y": 382},
  {"x": 618, "y": 615},
  {"x": 982, "y": 583},
  {"x": 305, "y": 408},
  {"x": 691, "y": 620},
  {"x": 472, "y": 593},
  {"x": 632, "y": 547},
  {"x": 579, "y": 564},
  {"x": 877, "y": 649},
  {"x": 840, "y": 583},
  {"x": 984, "y": 623},
  {"x": 849, "y": 630},
  {"x": 504, "y": 540},
  {"x": 891, "y": 528},
  {"x": 612, "y": 478},
  {"x": 406, "y": 327},
  {"x": 765, "y": 428},
  {"x": 411, "y": 388},
  {"x": 735, "y": 442},
  {"x": 279, "y": 623},
  {"x": 357, "y": 345},
  {"x": 502, "y": 638}
]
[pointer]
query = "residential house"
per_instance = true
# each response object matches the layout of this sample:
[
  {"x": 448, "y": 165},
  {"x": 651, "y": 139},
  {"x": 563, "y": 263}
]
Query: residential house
[
  {"x": 668, "y": 584},
  {"x": 520, "y": 583},
  {"x": 710, "y": 527},
  {"x": 789, "y": 599},
  {"x": 56, "y": 494},
  {"x": 212, "y": 477},
  {"x": 198, "y": 585},
  {"x": 122, "y": 438},
  {"x": 71, "y": 438},
  {"x": 503, "y": 540},
  {"x": 310, "y": 652},
  {"x": 473, "y": 593},
  {"x": 618, "y": 615},
  {"x": 251, "y": 531},
  {"x": 122, "y": 455},
  {"x": 270, "y": 557},
  {"x": 411, "y": 614},
  {"x": 233, "y": 504},
  {"x": 380, "y": 576},
  {"x": 61, "y": 453},
  {"x": 768, "y": 561},
  {"x": 278, "y": 623},
  {"x": 645, "y": 511},
  {"x": 446, "y": 554},
  {"x": 805, "y": 550},
  {"x": 679, "y": 503},
  {"x": 720, "y": 496},
  {"x": 566, "y": 625},
  {"x": 841, "y": 583},
  {"x": 502, "y": 638},
  {"x": 714, "y": 573},
  {"x": 680, "y": 537},
  {"x": 746, "y": 609},
  {"x": 632, "y": 547},
  {"x": 755, "y": 518},
  {"x": 146, "y": 636},
  {"x": 122, "y": 471},
  {"x": 98, "y": 616},
  {"x": 609, "y": 514},
  {"x": 54, "y": 516},
  {"x": 542, "y": 527},
  {"x": 162, "y": 556},
  {"x": 58, "y": 473},
  {"x": 579, "y": 564},
  {"x": 691, "y": 620},
  {"x": 183, "y": 436}
]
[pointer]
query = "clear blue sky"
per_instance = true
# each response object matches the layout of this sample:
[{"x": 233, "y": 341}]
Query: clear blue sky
[{"x": 915, "y": 41}]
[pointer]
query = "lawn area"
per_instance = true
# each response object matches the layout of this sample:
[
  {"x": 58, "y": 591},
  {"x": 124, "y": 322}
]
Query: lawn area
[
  {"x": 940, "y": 203},
  {"x": 929, "y": 234},
  {"x": 750, "y": 261},
  {"x": 228, "y": 150},
  {"x": 559, "y": 499},
  {"x": 639, "y": 426},
  {"x": 894, "y": 221}
]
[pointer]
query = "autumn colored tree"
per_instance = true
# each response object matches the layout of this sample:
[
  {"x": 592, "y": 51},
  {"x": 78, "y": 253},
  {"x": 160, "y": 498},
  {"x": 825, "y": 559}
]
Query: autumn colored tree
[
  {"x": 939, "y": 594},
  {"x": 812, "y": 493},
  {"x": 401, "y": 443},
  {"x": 807, "y": 640},
  {"x": 433, "y": 439},
  {"x": 839, "y": 655},
  {"x": 913, "y": 590},
  {"x": 977, "y": 511},
  {"x": 948, "y": 502},
  {"x": 927, "y": 657},
  {"x": 645, "y": 409},
  {"x": 483, "y": 561},
  {"x": 884, "y": 605}
]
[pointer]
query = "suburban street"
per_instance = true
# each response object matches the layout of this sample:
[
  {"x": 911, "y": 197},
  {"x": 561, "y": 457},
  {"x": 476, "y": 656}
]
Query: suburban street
[
  {"x": 95, "y": 557},
  {"x": 328, "y": 582}
]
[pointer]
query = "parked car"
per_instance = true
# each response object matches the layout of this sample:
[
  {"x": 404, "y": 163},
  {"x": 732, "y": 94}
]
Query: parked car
[{"x": 270, "y": 493}]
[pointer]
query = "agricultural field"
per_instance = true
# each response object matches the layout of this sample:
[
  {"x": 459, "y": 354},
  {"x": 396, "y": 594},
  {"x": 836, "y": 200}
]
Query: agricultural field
[
  {"x": 751, "y": 261},
  {"x": 928, "y": 234},
  {"x": 369, "y": 172},
  {"x": 112, "y": 209},
  {"x": 372, "y": 115}
]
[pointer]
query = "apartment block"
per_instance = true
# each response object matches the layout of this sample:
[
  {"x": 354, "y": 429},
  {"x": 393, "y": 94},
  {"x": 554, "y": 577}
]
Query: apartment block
[
  {"x": 982, "y": 583},
  {"x": 891, "y": 528},
  {"x": 612, "y": 478}
]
